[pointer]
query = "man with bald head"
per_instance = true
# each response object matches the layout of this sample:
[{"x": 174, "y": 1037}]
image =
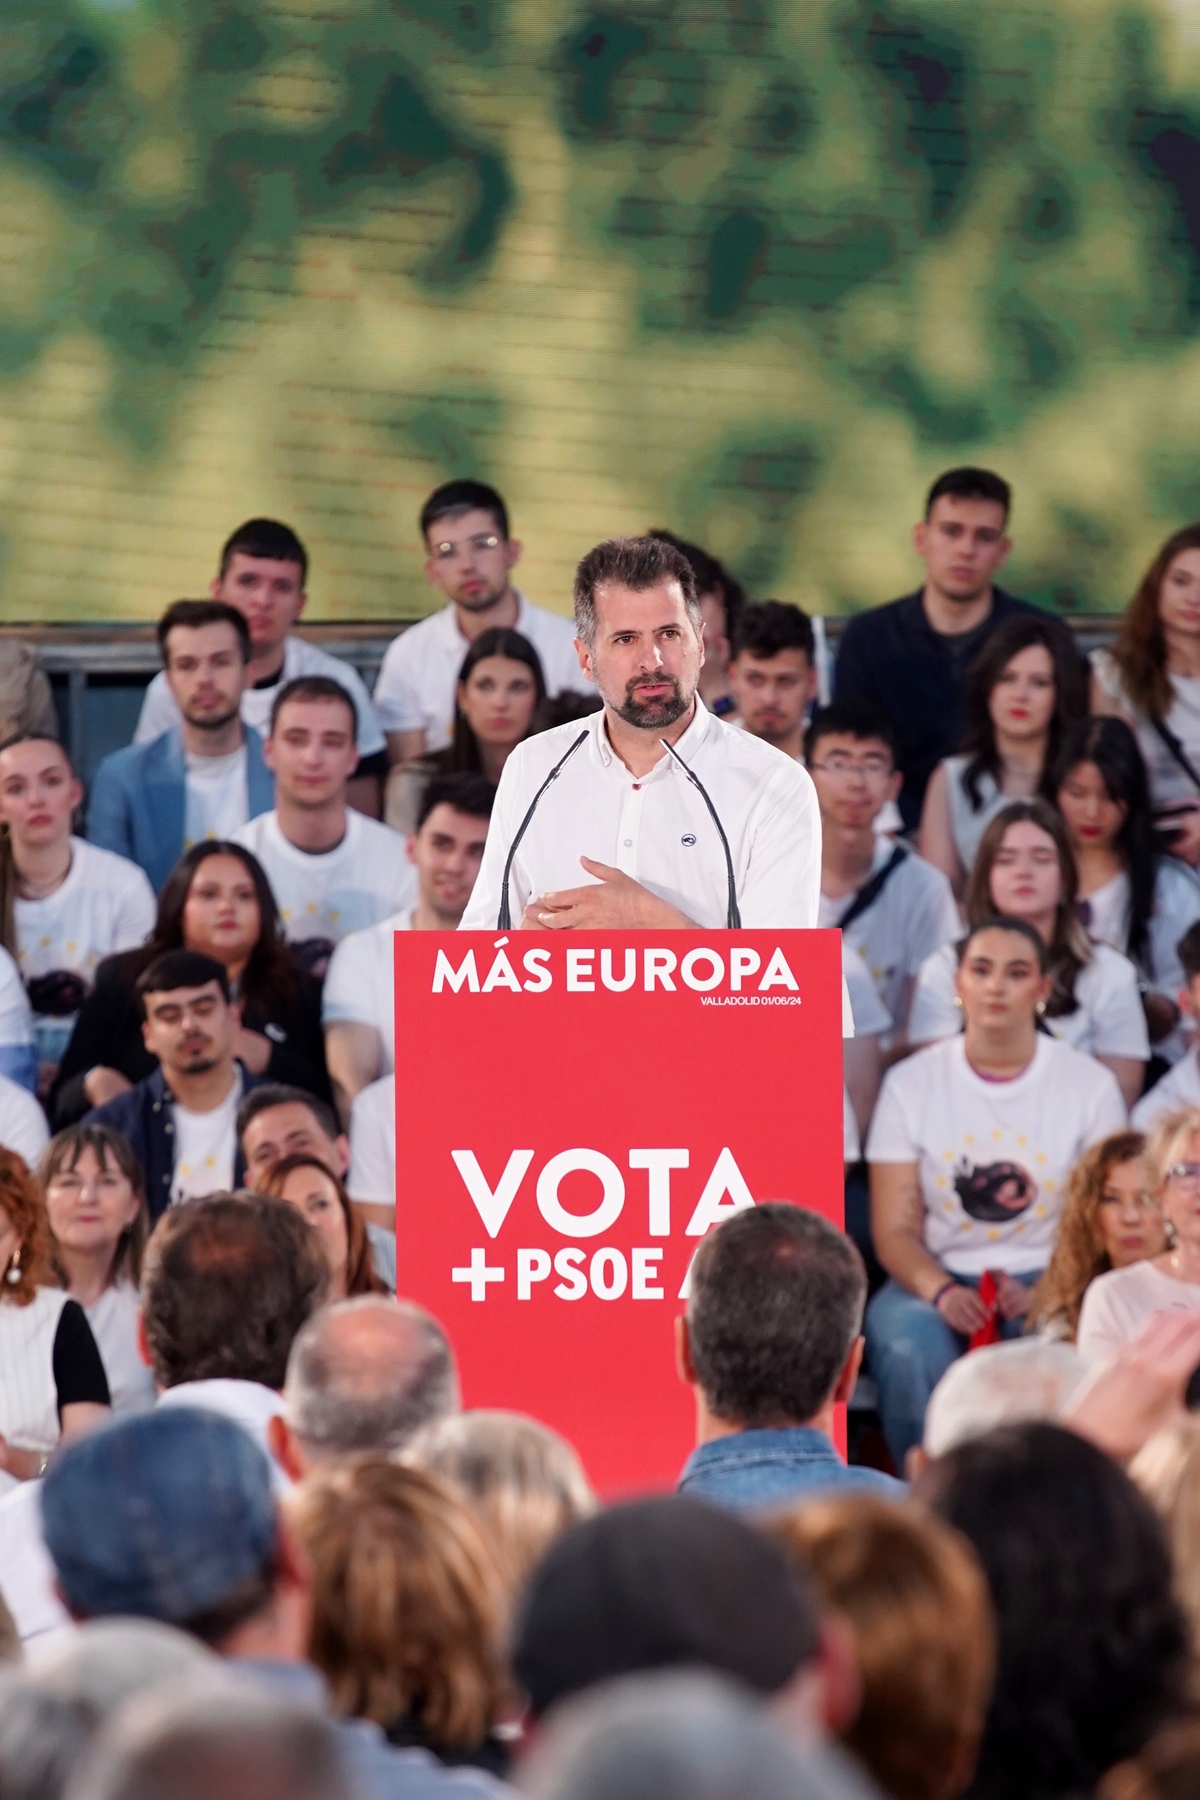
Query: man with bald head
[{"x": 364, "y": 1374}]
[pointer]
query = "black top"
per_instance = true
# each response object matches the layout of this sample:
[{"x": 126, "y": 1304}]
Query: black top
[
  {"x": 78, "y": 1371},
  {"x": 108, "y": 1031},
  {"x": 894, "y": 658}
]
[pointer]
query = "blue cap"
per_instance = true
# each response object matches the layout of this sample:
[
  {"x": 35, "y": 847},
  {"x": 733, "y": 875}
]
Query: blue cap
[{"x": 163, "y": 1515}]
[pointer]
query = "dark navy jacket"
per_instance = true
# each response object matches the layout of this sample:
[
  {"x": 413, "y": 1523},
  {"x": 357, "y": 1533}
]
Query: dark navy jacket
[{"x": 143, "y": 1116}]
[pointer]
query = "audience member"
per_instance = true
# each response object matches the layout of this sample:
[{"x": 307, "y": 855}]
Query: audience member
[
  {"x": 95, "y": 1204},
  {"x": 564, "y": 709},
  {"x": 862, "y": 1054},
  {"x": 180, "y": 1120},
  {"x": 464, "y": 527},
  {"x": 18, "y": 1059},
  {"x": 1118, "y": 1302},
  {"x": 407, "y": 1605},
  {"x": 26, "y": 697},
  {"x": 721, "y": 598},
  {"x": 1092, "y": 1642},
  {"x": 22, "y": 1121},
  {"x": 771, "y": 674},
  {"x": 310, "y": 1185},
  {"x": 263, "y": 571},
  {"x": 364, "y": 1374},
  {"x": 1180, "y": 1086},
  {"x": 1109, "y": 1220},
  {"x": 64, "y": 904},
  {"x": 971, "y": 1147},
  {"x": 217, "y": 903},
  {"x": 1150, "y": 678},
  {"x": 771, "y": 1345},
  {"x": 1025, "y": 870},
  {"x": 332, "y": 870},
  {"x": 891, "y": 906},
  {"x": 1026, "y": 688},
  {"x": 999, "y": 1384},
  {"x": 205, "y": 776},
  {"x": 910, "y": 658},
  {"x": 500, "y": 689},
  {"x": 1168, "y": 1768},
  {"x": 918, "y": 1606},
  {"x": 52, "y": 1382},
  {"x": 372, "y": 1175},
  {"x": 359, "y": 998},
  {"x": 1167, "y": 1470},
  {"x": 524, "y": 1483}
]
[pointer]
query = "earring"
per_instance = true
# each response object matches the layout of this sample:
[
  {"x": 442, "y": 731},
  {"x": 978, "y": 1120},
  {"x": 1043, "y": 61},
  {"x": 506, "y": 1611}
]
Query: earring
[
  {"x": 1040, "y": 1008},
  {"x": 14, "y": 1268},
  {"x": 958, "y": 1001},
  {"x": 1170, "y": 1233}
]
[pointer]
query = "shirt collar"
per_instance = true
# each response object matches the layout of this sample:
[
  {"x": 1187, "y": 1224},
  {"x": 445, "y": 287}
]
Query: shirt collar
[
  {"x": 686, "y": 748},
  {"x": 452, "y": 635}
]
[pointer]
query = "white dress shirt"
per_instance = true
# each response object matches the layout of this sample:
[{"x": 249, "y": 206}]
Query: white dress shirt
[
  {"x": 419, "y": 673},
  {"x": 160, "y": 710},
  {"x": 372, "y": 1175},
  {"x": 657, "y": 828}
]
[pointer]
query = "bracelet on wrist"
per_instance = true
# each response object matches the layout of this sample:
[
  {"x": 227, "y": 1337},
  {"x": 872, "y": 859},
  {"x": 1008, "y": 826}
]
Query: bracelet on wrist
[{"x": 942, "y": 1292}]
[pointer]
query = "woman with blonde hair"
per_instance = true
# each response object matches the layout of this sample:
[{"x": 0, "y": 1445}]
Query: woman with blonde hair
[
  {"x": 1167, "y": 1469},
  {"x": 1109, "y": 1220},
  {"x": 407, "y": 1607},
  {"x": 1118, "y": 1303},
  {"x": 524, "y": 1483}
]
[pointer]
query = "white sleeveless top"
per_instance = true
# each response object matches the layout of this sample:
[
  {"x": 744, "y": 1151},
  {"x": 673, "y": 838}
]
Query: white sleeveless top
[
  {"x": 966, "y": 825},
  {"x": 1168, "y": 783},
  {"x": 28, "y": 1396}
]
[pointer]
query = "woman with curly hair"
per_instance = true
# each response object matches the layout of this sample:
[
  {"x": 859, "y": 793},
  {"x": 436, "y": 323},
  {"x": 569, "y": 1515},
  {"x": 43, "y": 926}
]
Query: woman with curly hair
[{"x": 1110, "y": 1219}]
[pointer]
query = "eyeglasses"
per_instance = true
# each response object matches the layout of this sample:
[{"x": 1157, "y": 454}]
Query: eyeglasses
[
  {"x": 1187, "y": 1174},
  {"x": 1146, "y": 1202},
  {"x": 447, "y": 552},
  {"x": 875, "y": 768}
]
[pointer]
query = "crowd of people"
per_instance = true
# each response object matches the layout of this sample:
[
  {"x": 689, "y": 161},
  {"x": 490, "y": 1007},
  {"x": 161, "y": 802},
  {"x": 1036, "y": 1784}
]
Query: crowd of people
[{"x": 247, "y": 1528}]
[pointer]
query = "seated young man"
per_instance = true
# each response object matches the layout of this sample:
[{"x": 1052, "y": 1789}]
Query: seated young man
[
  {"x": 771, "y": 673},
  {"x": 358, "y": 1003},
  {"x": 1180, "y": 1086},
  {"x": 894, "y": 908}
]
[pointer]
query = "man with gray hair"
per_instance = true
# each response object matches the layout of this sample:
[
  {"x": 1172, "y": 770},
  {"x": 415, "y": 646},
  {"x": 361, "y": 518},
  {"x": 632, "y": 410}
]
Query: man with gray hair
[
  {"x": 1000, "y": 1384},
  {"x": 364, "y": 1374},
  {"x": 667, "y": 815}
]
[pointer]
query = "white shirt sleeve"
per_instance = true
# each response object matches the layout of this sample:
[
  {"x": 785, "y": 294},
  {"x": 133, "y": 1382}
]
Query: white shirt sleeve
[
  {"x": 1104, "y": 1323},
  {"x": 159, "y": 711},
  {"x": 936, "y": 921},
  {"x": 1120, "y": 1019},
  {"x": 782, "y": 888},
  {"x": 1176, "y": 909},
  {"x": 16, "y": 1014},
  {"x": 892, "y": 1137},
  {"x": 136, "y": 911},
  {"x": 370, "y": 737},
  {"x": 933, "y": 1014},
  {"x": 348, "y": 995},
  {"x": 1105, "y": 1111},
  {"x": 373, "y": 1144},
  {"x": 397, "y": 696},
  {"x": 22, "y": 1123}
]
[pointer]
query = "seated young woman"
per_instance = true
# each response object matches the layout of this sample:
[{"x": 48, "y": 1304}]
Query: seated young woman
[
  {"x": 216, "y": 901},
  {"x": 971, "y": 1148},
  {"x": 1025, "y": 870},
  {"x": 1025, "y": 689},
  {"x": 1110, "y": 1219}
]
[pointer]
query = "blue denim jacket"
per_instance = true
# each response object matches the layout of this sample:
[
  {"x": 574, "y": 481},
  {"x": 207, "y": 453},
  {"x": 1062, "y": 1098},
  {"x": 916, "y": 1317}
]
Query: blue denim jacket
[{"x": 760, "y": 1468}]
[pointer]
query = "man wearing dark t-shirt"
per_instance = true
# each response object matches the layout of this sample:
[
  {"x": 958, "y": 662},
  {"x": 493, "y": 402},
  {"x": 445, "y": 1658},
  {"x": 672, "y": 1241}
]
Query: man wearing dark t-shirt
[{"x": 911, "y": 656}]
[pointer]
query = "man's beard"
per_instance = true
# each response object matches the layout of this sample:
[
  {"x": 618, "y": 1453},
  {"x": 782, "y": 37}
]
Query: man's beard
[
  {"x": 651, "y": 715},
  {"x": 478, "y": 603},
  {"x": 213, "y": 722}
]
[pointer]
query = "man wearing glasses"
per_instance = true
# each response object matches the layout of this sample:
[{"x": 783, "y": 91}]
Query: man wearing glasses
[
  {"x": 470, "y": 558},
  {"x": 893, "y": 907}
]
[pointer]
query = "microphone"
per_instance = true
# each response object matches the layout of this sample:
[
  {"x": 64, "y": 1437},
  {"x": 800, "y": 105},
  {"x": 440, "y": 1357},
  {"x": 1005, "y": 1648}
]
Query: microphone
[
  {"x": 504, "y": 917},
  {"x": 733, "y": 917}
]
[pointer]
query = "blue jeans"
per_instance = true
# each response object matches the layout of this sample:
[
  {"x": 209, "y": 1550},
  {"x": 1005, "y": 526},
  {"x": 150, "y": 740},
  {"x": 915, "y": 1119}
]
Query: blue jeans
[{"x": 909, "y": 1348}]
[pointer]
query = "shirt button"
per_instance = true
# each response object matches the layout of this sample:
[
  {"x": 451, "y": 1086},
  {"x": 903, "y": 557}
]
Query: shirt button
[
  {"x": 637, "y": 787},
  {"x": 629, "y": 843}
]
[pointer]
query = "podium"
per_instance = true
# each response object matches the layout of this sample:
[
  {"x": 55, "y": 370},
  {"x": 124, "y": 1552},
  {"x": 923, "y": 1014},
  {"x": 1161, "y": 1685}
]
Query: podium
[{"x": 573, "y": 1113}]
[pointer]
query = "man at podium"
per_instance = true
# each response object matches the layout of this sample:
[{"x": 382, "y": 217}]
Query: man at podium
[{"x": 652, "y": 813}]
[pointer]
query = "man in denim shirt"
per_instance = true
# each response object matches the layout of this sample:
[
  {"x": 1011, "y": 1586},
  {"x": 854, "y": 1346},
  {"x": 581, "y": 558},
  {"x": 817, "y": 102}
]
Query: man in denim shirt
[{"x": 771, "y": 1344}]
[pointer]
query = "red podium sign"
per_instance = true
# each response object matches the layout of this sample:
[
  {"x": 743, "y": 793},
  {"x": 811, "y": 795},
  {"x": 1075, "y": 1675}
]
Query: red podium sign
[{"x": 573, "y": 1114}]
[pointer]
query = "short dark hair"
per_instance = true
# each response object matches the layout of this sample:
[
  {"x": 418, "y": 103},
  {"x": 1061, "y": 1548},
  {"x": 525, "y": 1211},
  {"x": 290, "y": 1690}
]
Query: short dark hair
[
  {"x": 712, "y": 577},
  {"x": 454, "y": 498},
  {"x": 270, "y": 540},
  {"x": 564, "y": 709},
  {"x": 971, "y": 484},
  {"x": 858, "y": 719},
  {"x": 193, "y": 614},
  {"x": 226, "y": 1285},
  {"x": 466, "y": 793},
  {"x": 1188, "y": 951},
  {"x": 1092, "y": 1641},
  {"x": 770, "y": 626},
  {"x": 1002, "y": 922},
  {"x": 637, "y": 563},
  {"x": 180, "y": 969},
  {"x": 777, "y": 1302},
  {"x": 314, "y": 687},
  {"x": 279, "y": 1093}
]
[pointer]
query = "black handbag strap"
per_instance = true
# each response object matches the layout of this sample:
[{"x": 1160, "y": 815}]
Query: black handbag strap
[
  {"x": 1177, "y": 751},
  {"x": 870, "y": 891}
]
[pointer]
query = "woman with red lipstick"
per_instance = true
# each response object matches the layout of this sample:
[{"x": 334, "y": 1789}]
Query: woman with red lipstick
[
  {"x": 1132, "y": 895},
  {"x": 1110, "y": 1219},
  {"x": 1025, "y": 688},
  {"x": 1151, "y": 678},
  {"x": 1025, "y": 870}
]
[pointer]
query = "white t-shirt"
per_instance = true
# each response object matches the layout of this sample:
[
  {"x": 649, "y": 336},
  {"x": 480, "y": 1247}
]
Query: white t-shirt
[
  {"x": 1178, "y": 1088},
  {"x": 419, "y": 673},
  {"x": 22, "y": 1122},
  {"x": 1176, "y": 908},
  {"x": 1117, "y": 1304},
  {"x": 913, "y": 916},
  {"x": 871, "y": 1016},
  {"x": 218, "y": 802},
  {"x": 335, "y": 892},
  {"x": 968, "y": 824},
  {"x": 1168, "y": 783},
  {"x": 373, "y": 1143},
  {"x": 160, "y": 712},
  {"x": 205, "y": 1147},
  {"x": 993, "y": 1156},
  {"x": 1108, "y": 1021},
  {"x": 105, "y": 905},
  {"x": 114, "y": 1322},
  {"x": 360, "y": 983}
]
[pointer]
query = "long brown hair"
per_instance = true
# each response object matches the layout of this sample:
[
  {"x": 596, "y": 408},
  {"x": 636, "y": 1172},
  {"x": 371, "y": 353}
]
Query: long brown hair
[
  {"x": 1070, "y": 951},
  {"x": 8, "y": 863},
  {"x": 1140, "y": 650},
  {"x": 1024, "y": 632},
  {"x": 1079, "y": 1253},
  {"x": 463, "y": 754},
  {"x": 360, "y": 1264},
  {"x": 269, "y": 979},
  {"x": 64, "y": 1152},
  {"x": 22, "y": 1204}
]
